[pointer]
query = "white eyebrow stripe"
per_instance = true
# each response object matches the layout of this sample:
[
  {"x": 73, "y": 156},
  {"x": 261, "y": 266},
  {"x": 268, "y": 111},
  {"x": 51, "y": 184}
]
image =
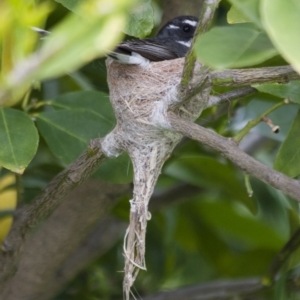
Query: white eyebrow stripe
[
  {"x": 192, "y": 23},
  {"x": 173, "y": 26},
  {"x": 187, "y": 44}
]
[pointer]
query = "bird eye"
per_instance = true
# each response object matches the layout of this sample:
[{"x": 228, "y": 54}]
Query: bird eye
[{"x": 186, "y": 28}]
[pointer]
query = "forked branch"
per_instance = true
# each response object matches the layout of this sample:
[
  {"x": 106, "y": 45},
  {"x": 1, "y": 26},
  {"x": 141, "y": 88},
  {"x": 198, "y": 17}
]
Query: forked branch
[{"x": 230, "y": 149}]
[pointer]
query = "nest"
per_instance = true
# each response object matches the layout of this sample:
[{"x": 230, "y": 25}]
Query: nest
[{"x": 141, "y": 98}]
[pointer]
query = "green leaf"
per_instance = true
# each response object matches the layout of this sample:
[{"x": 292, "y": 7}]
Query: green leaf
[
  {"x": 281, "y": 19},
  {"x": 68, "y": 132},
  {"x": 224, "y": 217},
  {"x": 188, "y": 224},
  {"x": 78, "y": 118},
  {"x": 235, "y": 16},
  {"x": 117, "y": 170},
  {"x": 17, "y": 39},
  {"x": 208, "y": 173},
  {"x": 141, "y": 20},
  {"x": 18, "y": 139},
  {"x": 288, "y": 157},
  {"x": 244, "y": 11},
  {"x": 91, "y": 32},
  {"x": 70, "y": 4},
  {"x": 82, "y": 36},
  {"x": 92, "y": 101},
  {"x": 234, "y": 46},
  {"x": 289, "y": 91}
]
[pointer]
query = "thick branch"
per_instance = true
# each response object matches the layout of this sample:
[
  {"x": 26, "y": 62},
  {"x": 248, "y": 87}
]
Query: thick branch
[
  {"x": 59, "y": 237},
  {"x": 241, "y": 77},
  {"x": 27, "y": 217},
  {"x": 252, "y": 123},
  {"x": 210, "y": 291},
  {"x": 108, "y": 231},
  {"x": 230, "y": 150}
]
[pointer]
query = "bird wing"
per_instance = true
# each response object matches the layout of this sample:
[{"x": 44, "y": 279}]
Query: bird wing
[{"x": 152, "y": 50}]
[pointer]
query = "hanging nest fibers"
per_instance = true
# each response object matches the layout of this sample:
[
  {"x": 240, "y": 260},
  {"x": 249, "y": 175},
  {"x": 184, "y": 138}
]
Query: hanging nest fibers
[{"x": 141, "y": 97}]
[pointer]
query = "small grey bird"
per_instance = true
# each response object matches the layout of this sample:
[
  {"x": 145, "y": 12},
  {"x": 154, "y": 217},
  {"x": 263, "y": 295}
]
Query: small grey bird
[{"x": 172, "y": 41}]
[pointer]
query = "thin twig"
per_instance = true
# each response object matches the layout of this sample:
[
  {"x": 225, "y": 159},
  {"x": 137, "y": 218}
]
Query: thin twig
[
  {"x": 228, "y": 288},
  {"x": 205, "y": 18},
  {"x": 251, "y": 124},
  {"x": 19, "y": 189},
  {"x": 281, "y": 258},
  {"x": 230, "y": 150},
  {"x": 59, "y": 237}
]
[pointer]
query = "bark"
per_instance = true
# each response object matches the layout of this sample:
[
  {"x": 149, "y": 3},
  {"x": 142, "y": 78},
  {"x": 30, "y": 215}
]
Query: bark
[
  {"x": 49, "y": 252},
  {"x": 230, "y": 149},
  {"x": 27, "y": 217}
]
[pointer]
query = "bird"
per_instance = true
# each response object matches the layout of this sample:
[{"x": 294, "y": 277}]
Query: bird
[{"x": 172, "y": 41}]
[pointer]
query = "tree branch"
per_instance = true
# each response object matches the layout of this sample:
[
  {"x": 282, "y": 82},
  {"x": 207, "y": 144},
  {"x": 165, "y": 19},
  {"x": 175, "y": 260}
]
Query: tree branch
[
  {"x": 281, "y": 257},
  {"x": 59, "y": 237},
  {"x": 242, "y": 77},
  {"x": 252, "y": 123},
  {"x": 206, "y": 15},
  {"x": 230, "y": 150},
  {"x": 231, "y": 95},
  {"x": 29, "y": 216},
  {"x": 224, "y": 289},
  {"x": 108, "y": 231}
]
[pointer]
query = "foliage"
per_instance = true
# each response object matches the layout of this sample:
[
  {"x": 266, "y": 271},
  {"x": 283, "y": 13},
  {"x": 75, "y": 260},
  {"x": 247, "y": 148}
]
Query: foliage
[
  {"x": 17, "y": 129},
  {"x": 54, "y": 101},
  {"x": 219, "y": 52}
]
